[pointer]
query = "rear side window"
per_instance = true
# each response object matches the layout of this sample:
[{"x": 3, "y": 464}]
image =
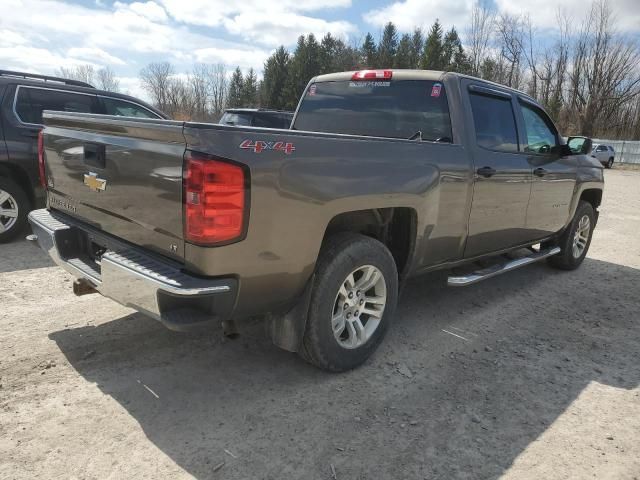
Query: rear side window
[
  {"x": 395, "y": 108},
  {"x": 30, "y": 103},
  {"x": 122, "y": 108},
  {"x": 494, "y": 122}
]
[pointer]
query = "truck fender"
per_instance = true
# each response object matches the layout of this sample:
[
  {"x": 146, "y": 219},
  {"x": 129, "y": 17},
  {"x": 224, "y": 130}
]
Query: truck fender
[{"x": 287, "y": 330}]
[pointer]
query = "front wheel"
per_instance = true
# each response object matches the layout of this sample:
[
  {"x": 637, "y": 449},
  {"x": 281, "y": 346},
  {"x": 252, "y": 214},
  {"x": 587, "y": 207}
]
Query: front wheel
[
  {"x": 575, "y": 241},
  {"x": 352, "y": 302}
]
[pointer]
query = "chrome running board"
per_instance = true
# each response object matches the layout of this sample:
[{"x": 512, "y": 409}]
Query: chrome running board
[{"x": 493, "y": 270}]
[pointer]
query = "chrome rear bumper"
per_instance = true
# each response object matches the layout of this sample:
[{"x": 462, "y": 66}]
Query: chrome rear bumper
[{"x": 133, "y": 277}]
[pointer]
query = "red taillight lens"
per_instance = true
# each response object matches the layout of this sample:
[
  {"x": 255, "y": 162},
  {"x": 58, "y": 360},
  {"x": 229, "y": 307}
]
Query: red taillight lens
[
  {"x": 214, "y": 200},
  {"x": 372, "y": 75},
  {"x": 41, "y": 168}
]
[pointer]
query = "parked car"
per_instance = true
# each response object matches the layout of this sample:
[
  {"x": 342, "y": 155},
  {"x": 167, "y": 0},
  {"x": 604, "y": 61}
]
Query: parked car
[
  {"x": 604, "y": 153},
  {"x": 257, "y": 117},
  {"x": 23, "y": 97},
  {"x": 384, "y": 175}
]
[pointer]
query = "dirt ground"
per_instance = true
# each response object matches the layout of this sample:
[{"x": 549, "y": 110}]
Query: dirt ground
[{"x": 531, "y": 375}]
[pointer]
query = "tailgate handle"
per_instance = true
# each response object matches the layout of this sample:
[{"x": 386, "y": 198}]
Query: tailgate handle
[{"x": 94, "y": 155}]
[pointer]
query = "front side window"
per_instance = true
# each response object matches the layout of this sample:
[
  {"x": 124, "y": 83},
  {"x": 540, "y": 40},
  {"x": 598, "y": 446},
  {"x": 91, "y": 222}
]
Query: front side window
[
  {"x": 494, "y": 122},
  {"x": 122, "y": 108},
  {"x": 31, "y": 102},
  {"x": 409, "y": 109},
  {"x": 540, "y": 136}
]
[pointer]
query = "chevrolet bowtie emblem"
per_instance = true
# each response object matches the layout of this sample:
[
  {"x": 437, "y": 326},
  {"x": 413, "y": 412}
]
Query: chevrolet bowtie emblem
[{"x": 92, "y": 181}]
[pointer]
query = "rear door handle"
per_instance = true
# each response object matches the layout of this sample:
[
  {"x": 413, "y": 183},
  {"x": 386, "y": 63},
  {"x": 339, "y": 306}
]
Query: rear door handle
[
  {"x": 486, "y": 172},
  {"x": 540, "y": 172}
]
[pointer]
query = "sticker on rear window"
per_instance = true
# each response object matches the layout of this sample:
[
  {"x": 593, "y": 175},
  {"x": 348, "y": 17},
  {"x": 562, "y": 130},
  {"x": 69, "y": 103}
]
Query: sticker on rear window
[
  {"x": 436, "y": 89},
  {"x": 361, "y": 84},
  {"x": 312, "y": 89}
]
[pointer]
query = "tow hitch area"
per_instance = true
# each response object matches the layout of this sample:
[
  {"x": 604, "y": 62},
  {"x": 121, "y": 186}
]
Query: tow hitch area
[{"x": 83, "y": 287}]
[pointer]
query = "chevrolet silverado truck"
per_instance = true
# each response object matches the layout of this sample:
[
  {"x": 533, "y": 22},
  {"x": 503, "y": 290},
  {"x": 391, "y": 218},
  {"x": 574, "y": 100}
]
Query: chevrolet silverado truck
[{"x": 384, "y": 175}]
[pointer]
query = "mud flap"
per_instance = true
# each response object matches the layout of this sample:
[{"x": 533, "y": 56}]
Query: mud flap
[{"x": 287, "y": 330}]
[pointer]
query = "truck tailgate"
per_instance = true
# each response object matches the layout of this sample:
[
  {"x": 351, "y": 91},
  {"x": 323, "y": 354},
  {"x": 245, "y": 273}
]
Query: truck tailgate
[{"x": 121, "y": 175}]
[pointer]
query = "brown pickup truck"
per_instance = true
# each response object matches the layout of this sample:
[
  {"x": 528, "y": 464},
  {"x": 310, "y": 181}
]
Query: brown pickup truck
[{"x": 384, "y": 175}]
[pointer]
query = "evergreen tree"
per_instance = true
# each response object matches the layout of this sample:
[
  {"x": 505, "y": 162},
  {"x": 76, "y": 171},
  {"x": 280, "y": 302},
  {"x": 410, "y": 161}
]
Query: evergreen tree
[
  {"x": 433, "y": 57},
  {"x": 417, "y": 44},
  {"x": 276, "y": 71},
  {"x": 249, "y": 91},
  {"x": 234, "y": 97},
  {"x": 388, "y": 46},
  {"x": 304, "y": 65},
  {"x": 328, "y": 50},
  {"x": 454, "y": 57},
  {"x": 403, "y": 55},
  {"x": 369, "y": 52}
]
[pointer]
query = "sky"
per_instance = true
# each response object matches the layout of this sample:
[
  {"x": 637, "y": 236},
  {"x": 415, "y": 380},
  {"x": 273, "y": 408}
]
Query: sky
[{"x": 41, "y": 36}]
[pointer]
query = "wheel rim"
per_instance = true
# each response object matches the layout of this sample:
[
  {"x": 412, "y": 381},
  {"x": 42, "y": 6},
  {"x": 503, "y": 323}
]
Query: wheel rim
[
  {"x": 581, "y": 237},
  {"x": 359, "y": 306},
  {"x": 8, "y": 211}
]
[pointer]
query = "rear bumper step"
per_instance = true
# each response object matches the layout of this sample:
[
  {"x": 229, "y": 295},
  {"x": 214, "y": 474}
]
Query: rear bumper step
[
  {"x": 132, "y": 277},
  {"x": 492, "y": 271}
]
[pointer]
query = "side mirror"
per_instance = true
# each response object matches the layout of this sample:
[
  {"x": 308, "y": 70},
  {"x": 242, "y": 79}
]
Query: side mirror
[{"x": 579, "y": 145}]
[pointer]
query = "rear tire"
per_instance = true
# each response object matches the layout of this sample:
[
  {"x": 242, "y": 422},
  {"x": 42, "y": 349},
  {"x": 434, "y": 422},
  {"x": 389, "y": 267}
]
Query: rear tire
[
  {"x": 352, "y": 302},
  {"x": 609, "y": 163},
  {"x": 14, "y": 208},
  {"x": 575, "y": 241}
]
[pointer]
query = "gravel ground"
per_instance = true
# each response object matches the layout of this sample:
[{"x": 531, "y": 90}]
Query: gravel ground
[{"x": 530, "y": 375}]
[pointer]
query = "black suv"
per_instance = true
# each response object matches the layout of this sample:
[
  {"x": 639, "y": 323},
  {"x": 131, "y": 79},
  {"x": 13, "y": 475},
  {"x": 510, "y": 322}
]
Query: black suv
[
  {"x": 23, "y": 97},
  {"x": 257, "y": 117}
]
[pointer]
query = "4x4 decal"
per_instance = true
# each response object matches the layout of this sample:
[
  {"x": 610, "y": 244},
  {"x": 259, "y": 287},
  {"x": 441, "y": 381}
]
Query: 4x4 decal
[{"x": 259, "y": 145}]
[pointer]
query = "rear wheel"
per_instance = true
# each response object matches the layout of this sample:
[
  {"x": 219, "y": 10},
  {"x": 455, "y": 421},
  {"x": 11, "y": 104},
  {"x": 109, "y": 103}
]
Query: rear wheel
[
  {"x": 610, "y": 163},
  {"x": 575, "y": 241},
  {"x": 352, "y": 302},
  {"x": 14, "y": 207}
]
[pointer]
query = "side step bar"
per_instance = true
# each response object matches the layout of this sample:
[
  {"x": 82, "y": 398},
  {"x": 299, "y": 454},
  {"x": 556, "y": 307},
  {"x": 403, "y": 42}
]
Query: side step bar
[{"x": 492, "y": 271}]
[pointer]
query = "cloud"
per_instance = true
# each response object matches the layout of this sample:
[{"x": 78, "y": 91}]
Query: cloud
[
  {"x": 89, "y": 54},
  {"x": 243, "y": 58},
  {"x": 267, "y": 22},
  {"x": 543, "y": 12},
  {"x": 408, "y": 14}
]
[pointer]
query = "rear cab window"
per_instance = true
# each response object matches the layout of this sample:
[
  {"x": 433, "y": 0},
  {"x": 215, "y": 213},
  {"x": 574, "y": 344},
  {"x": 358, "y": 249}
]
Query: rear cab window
[
  {"x": 30, "y": 102},
  {"x": 404, "y": 109}
]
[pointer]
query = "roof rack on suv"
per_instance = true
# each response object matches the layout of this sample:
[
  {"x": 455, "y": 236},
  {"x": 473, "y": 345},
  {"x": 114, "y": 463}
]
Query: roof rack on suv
[{"x": 46, "y": 78}]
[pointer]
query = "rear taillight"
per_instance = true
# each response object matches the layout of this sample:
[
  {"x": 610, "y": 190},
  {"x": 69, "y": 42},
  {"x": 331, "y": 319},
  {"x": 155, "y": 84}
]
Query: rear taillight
[
  {"x": 215, "y": 200},
  {"x": 41, "y": 168},
  {"x": 372, "y": 75}
]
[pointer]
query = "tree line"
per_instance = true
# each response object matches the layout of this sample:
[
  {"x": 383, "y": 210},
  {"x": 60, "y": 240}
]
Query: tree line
[{"x": 587, "y": 76}]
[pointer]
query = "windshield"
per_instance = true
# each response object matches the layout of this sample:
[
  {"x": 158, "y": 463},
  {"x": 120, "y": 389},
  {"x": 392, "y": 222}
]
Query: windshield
[{"x": 410, "y": 109}]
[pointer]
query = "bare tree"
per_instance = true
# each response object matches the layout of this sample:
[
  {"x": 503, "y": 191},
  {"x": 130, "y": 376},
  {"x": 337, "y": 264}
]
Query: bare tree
[
  {"x": 510, "y": 41},
  {"x": 605, "y": 75},
  {"x": 106, "y": 80},
  {"x": 218, "y": 88},
  {"x": 479, "y": 34},
  {"x": 83, "y": 73},
  {"x": 156, "y": 80}
]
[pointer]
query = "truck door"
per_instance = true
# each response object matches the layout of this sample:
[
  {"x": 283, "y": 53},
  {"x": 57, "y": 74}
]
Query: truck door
[
  {"x": 554, "y": 175},
  {"x": 502, "y": 179}
]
